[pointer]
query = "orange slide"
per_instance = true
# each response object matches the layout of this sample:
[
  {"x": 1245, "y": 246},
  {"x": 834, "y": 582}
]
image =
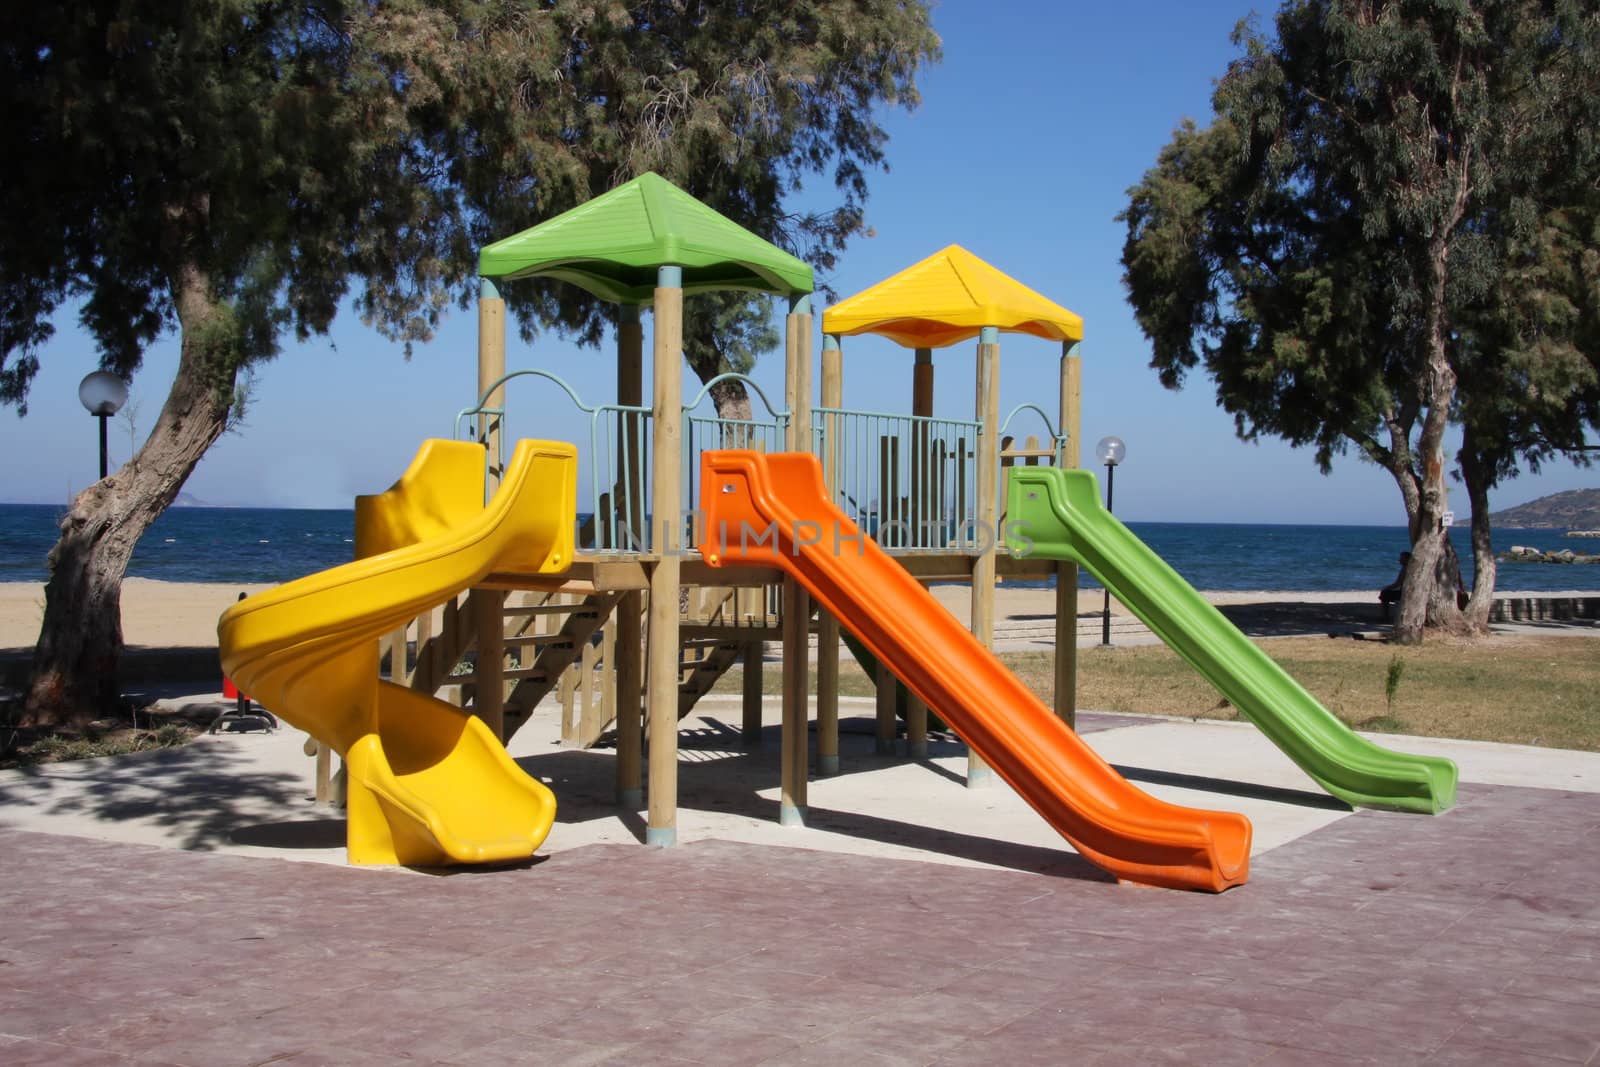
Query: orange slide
[{"x": 775, "y": 509}]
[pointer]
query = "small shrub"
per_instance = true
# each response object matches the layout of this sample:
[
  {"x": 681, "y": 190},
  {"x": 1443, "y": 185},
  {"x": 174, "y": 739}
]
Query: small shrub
[{"x": 1391, "y": 683}]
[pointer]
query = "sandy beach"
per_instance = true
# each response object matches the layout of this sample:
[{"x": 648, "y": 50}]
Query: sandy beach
[
  {"x": 184, "y": 615},
  {"x": 154, "y": 614}
]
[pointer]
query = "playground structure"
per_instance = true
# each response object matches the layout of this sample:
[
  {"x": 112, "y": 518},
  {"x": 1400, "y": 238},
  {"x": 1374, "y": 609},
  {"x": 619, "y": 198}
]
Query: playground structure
[
  {"x": 927, "y": 487},
  {"x": 630, "y": 619}
]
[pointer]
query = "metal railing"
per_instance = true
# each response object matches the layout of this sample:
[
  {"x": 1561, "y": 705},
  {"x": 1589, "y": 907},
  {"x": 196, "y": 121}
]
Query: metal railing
[
  {"x": 1031, "y": 451},
  {"x": 906, "y": 480},
  {"x": 709, "y": 432},
  {"x": 618, "y": 463}
]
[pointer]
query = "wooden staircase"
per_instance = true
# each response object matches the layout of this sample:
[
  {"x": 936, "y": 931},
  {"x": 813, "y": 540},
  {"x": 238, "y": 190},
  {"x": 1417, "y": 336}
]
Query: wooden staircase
[
  {"x": 704, "y": 662},
  {"x": 563, "y": 644},
  {"x": 712, "y": 642},
  {"x": 551, "y": 633},
  {"x": 439, "y": 653}
]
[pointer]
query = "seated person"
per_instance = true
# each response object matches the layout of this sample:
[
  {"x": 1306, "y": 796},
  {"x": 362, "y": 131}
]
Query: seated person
[{"x": 1390, "y": 594}]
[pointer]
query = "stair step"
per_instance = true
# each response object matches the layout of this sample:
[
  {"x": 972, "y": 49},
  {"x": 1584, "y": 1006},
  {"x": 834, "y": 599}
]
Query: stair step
[
  {"x": 545, "y": 640},
  {"x": 578, "y": 611},
  {"x": 703, "y": 642}
]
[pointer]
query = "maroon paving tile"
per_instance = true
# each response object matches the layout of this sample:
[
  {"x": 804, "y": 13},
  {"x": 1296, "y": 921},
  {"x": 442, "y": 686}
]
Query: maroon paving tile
[
  {"x": 1187, "y": 1047},
  {"x": 1472, "y": 936},
  {"x": 26, "y": 1052}
]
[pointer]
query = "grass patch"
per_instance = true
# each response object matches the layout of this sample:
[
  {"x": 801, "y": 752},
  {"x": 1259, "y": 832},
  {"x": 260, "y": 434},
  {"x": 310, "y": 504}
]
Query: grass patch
[
  {"x": 1523, "y": 690},
  {"x": 133, "y": 730}
]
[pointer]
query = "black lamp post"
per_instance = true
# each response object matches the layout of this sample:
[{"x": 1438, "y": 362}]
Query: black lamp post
[
  {"x": 1110, "y": 451},
  {"x": 102, "y": 395}
]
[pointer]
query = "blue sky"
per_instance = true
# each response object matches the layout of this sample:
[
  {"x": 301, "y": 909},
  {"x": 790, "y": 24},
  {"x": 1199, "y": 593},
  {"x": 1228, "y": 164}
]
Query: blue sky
[{"x": 1030, "y": 131}]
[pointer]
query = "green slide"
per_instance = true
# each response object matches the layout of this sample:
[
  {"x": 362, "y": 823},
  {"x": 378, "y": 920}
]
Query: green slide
[
  {"x": 869, "y": 665},
  {"x": 1057, "y": 514}
]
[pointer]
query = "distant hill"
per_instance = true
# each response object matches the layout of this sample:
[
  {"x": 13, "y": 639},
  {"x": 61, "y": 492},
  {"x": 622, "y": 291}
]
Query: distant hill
[
  {"x": 1575, "y": 509},
  {"x": 189, "y": 500}
]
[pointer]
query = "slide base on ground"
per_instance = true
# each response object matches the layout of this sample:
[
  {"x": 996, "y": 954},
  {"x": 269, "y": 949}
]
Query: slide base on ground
[
  {"x": 770, "y": 509},
  {"x": 1057, "y": 514},
  {"x": 428, "y": 784}
]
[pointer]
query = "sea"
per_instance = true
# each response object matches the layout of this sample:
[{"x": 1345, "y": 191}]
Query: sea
[{"x": 264, "y": 546}]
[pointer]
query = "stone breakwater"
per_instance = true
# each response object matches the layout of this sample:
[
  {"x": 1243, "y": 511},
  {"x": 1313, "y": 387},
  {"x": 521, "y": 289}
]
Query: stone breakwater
[
  {"x": 1524, "y": 554},
  {"x": 1582, "y": 533}
]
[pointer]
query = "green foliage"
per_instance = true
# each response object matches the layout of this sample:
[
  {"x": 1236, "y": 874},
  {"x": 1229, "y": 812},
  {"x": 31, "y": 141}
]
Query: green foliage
[
  {"x": 62, "y": 748},
  {"x": 1391, "y": 680},
  {"x": 266, "y": 155},
  {"x": 1392, "y": 215}
]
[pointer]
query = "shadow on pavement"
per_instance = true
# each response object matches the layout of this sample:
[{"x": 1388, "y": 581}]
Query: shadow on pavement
[{"x": 201, "y": 793}]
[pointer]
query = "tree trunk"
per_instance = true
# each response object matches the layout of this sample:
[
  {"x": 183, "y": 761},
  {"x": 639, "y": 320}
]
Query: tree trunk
[
  {"x": 1431, "y": 601},
  {"x": 74, "y": 674},
  {"x": 733, "y": 408},
  {"x": 1484, "y": 569},
  {"x": 1440, "y": 580},
  {"x": 731, "y": 398}
]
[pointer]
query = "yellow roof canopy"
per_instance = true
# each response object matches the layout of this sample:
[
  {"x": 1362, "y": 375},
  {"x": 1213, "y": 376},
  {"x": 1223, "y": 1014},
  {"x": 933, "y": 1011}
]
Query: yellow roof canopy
[{"x": 946, "y": 298}]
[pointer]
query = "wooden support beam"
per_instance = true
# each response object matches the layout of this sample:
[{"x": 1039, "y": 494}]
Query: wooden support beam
[
  {"x": 628, "y": 575},
  {"x": 796, "y": 602},
  {"x": 886, "y": 725},
  {"x": 661, "y": 667},
  {"x": 987, "y": 413},
  {"x": 916, "y": 727},
  {"x": 796, "y": 681},
  {"x": 750, "y": 724},
  {"x": 488, "y": 702},
  {"x": 832, "y": 396},
  {"x": 1066, "y": 664},
  {"x": 630, "y": 712},
  {"x": 491, "y": 368}
]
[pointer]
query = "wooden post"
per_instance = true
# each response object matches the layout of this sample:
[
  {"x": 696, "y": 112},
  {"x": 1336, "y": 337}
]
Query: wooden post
[
  {"x": 491, "y": 368},
  {"x": 1066, "y": 665},
  {"x": 924, "y": 484},
  {"x": 489, "y": 691},
  {"x": 424, "y": 636},
  {"x": 750, "y": 725},
  {"x": 795, "y": 757},
  {"x": 488, "y": 605},
  {"x": 397, "y": 657},
  {"x": 630, "y": 610},
  {"x": 926, "y": 510},
  {"x": 324, "y": 773},
  {"x": 665, "y": 501},
  {"x": 916, "y": 727},
  {"x": 986, "y": 514},
  {"x": 884, "y": 727},
  {"x": 827, "y": 625}
]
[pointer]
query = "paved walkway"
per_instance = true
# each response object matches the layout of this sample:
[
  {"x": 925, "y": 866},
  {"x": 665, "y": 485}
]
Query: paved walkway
[
  {"x": 152, "y": 915},
  {"x": 1470, "y": 938}
]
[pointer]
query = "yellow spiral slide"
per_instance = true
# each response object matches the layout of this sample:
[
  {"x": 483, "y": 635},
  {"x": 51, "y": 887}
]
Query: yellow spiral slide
[{"x": 427, "y": 784}]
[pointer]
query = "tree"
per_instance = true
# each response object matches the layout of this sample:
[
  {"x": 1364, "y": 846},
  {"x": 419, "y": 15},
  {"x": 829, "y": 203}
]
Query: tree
[
  {"x": 235, "y": 170},
  {"x": 1336, "y": 249}
]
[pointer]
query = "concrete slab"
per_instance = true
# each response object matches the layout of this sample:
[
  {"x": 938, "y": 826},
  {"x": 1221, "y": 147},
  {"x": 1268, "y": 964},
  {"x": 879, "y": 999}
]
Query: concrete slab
[{"x": 251, "y": 793}]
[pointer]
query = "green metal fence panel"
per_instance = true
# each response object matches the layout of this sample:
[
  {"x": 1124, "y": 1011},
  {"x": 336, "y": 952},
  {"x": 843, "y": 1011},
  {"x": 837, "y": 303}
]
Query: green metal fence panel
[
  {"x": 908, "y": 481},
  {"x": 613, "y": 513}
]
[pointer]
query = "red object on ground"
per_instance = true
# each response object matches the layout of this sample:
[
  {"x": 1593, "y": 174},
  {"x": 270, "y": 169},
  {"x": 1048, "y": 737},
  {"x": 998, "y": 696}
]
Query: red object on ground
[{"x": 229, "y": 690}]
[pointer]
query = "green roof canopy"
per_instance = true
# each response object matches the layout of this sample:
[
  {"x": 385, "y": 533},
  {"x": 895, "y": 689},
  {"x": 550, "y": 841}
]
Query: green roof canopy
[{"x": 612, "y": 245}]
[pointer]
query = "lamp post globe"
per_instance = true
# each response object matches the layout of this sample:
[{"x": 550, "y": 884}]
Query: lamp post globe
[
  {"x": 1109, "y": 450},
  {"x": 102, "y": 395}
]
